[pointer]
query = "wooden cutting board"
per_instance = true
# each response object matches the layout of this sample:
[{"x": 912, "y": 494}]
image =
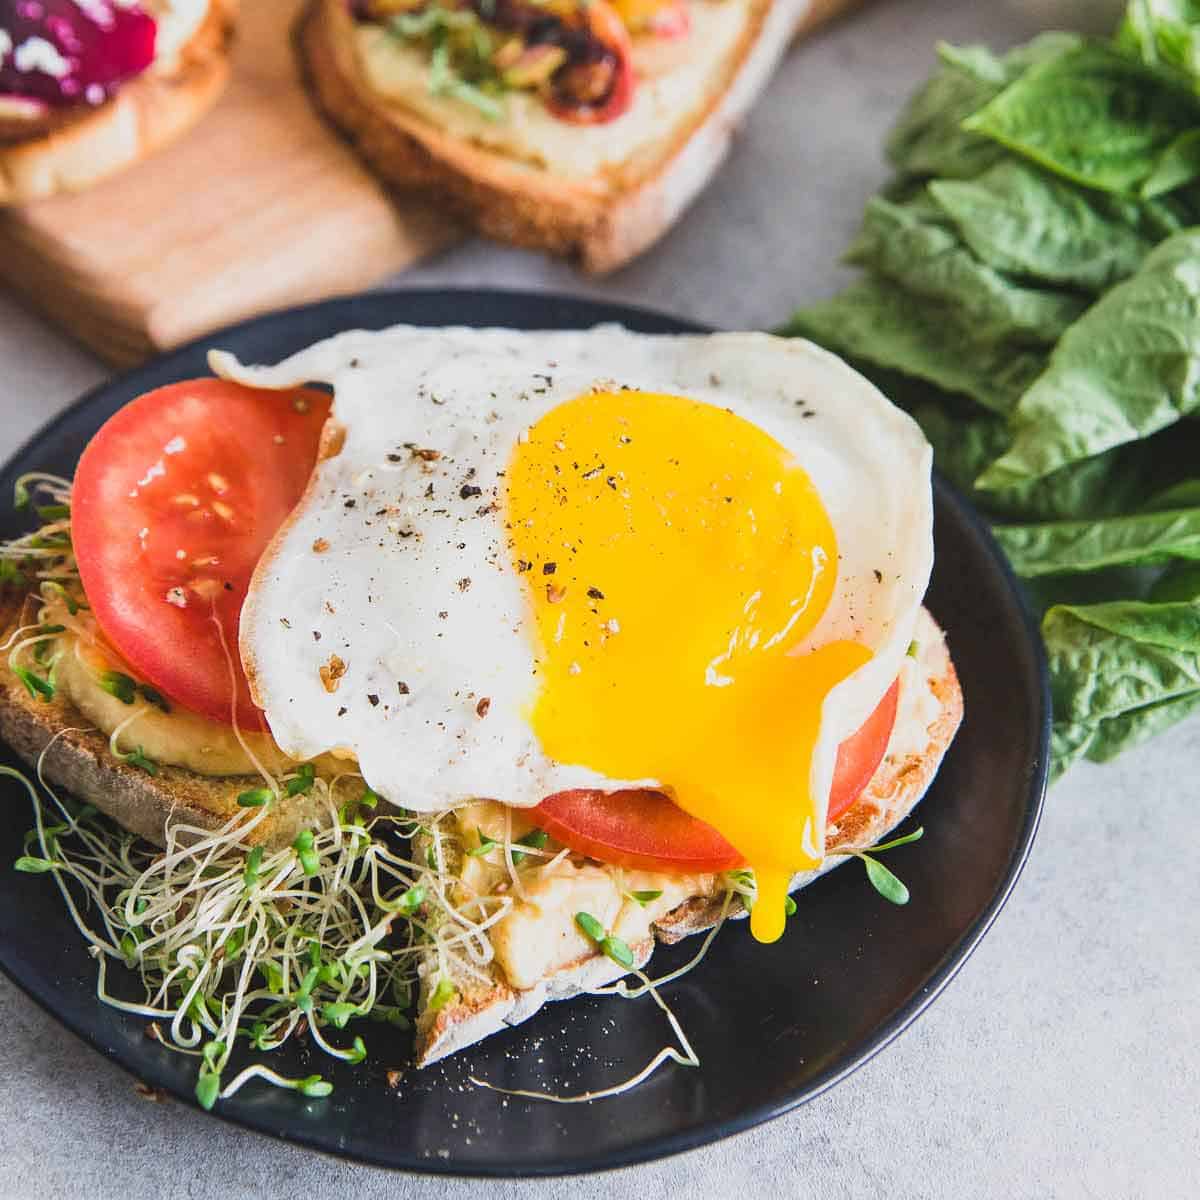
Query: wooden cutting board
[{"x": 260, "y": 206}]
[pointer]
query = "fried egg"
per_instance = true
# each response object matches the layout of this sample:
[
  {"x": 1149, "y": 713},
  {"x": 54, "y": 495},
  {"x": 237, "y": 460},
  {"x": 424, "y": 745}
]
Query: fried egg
[{"x": 532, "y": 562}]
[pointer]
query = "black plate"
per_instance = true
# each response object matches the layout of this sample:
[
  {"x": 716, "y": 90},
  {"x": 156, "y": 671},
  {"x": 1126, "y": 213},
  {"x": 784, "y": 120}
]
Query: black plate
[{"x": 774, "y": 1025}]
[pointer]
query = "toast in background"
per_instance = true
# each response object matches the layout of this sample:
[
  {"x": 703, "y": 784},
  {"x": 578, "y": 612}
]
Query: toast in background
[
  {"x": 71, "y": 148},
  {"x": 600, "y": 191}
]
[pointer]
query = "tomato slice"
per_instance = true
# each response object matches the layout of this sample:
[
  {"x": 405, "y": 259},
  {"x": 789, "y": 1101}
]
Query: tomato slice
[
  {"x": 859, "y": 756},
  {"x": 605, "y": 24},
  {"x": 646, "y": 830},
  {"x": 174, "y": 501}
]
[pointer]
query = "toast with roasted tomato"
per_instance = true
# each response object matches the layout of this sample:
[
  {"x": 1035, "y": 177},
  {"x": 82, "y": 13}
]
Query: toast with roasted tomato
[{"x": 582, "y": 129}]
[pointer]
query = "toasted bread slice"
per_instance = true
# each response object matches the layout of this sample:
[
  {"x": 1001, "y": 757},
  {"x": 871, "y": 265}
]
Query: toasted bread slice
[
  {"x": 602, "y": 219},
  {"x": 925, "y": 726},
  {"x": 80, "y": 762},
  {"x": 88, "y": 144}
]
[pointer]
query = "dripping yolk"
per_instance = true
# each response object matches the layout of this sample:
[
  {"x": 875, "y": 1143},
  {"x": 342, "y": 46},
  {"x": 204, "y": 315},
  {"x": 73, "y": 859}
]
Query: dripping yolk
[{"x": 676, "y": 557}]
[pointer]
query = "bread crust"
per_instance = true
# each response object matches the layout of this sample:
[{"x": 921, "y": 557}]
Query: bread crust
[
  {"x": 146, "y": 114},
  {"x": 602, "y": 221},
  {"x": 79, "y": 761},
  {"x": 894, "y": 790}
]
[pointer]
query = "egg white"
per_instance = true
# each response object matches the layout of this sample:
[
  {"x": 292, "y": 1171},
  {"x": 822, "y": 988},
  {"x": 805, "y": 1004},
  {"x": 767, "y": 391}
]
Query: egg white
[{"x": 371, "y": 566}]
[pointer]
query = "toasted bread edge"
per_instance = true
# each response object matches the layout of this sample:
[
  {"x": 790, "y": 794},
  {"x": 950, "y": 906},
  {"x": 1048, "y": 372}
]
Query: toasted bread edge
[
  {"x": 894, "y": 790},
  {"x": 602, "y": 222}
]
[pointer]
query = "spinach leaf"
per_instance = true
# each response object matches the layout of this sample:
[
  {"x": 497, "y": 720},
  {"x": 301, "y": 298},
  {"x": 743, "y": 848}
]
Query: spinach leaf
[
  {"x": 1093, "y": 115},
  {"x": 1128, "y": 367},
  {"x": 1118, "y": 734},
  {"x": 1019, "y": 219},
  {"x": 911, "y": 244},
  {"x": 1109, "y": 659},
  {"x": 1165, "y": 34},
  {"x": 928, "y": 138},
  {"x": 1068, "y": 744},
  {"x": 1062, "y": 547},
  {"x": 876, "y": 322},
  {"x": 965, "y": 439},
  {"x": 1179, "y": 165}
]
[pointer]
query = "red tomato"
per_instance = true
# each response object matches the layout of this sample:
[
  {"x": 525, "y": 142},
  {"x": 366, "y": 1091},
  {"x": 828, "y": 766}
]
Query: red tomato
[
  {"x": 644, "y": 829},
  {"x": 174, "y": 501},
  {"x": 861, "y": 753},
  {"x": 606, "y": 25}
]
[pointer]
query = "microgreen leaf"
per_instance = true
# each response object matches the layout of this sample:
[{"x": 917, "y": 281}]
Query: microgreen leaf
[
  {"x": 485, "y": 844},
  {"x": 338, "y": 1013},
  {"x": 789, "y": 906},
  {"x": 442, "y": 994},
  {"x": 255, "y": 797},
  {"x": 33, "y": 866},
  {"x": 915, "y": 836},
  {"x": 619, "y": 951},
  {"x": 211, "y": 1051},
  {"x": 411, "y": 900},
  {"x": 314, "y": 1087},
  {"x": 310, "y": 861},
  {"x": 884, "y": 882},
  {"x": 35, "y": 685},
  {"x": 306, "y": 776},
  {"x": 137, "y": 758},
  {"x": 208, "y": 1088},
  {"x": 304, "y": 996},
  {"x": 117, "y": 683},
  {"x": 913, "y": 648},
  {"x": 129, "y": 949},
  {"x": 53, "y": 512},
  {"x": 644, "y": 898},
  {"x": 358, "y": 1051},
  {"x": 253, "y": 865},
  {"x": 535, "y": 839},
  {"x": 369, "y": 799},
  {"x": 590, "y": 926},
  {"x": 20, "y": 494}
]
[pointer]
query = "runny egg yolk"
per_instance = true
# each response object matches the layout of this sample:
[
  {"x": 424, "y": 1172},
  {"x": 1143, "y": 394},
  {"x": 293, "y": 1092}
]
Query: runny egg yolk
[{"x": 676, "y": 556}]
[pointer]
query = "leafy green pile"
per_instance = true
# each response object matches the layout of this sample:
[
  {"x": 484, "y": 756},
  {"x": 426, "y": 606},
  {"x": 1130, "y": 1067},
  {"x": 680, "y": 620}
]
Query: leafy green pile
[{"x": 1031, "y": 292}]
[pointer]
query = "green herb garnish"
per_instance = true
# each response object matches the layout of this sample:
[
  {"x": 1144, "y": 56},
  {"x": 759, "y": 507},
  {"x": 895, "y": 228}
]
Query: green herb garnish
[
  {"x": 118, "y": 684},
  {"x": 442, "y": 994},
  {"x": 255, "y": 797},
  {"x": 485, "y": 844},
  {"x": 310, "y": 861},
  {"x": 590, "y": 926},
  {"x": 302, "y": 784},
  {"x": 535, "y": 839}
]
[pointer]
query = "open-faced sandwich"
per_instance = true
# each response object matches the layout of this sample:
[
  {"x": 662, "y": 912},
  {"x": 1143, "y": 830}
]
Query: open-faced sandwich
[
  {"x": 521, "y": 653},
  {"x": 89, "y": 87},
  {"x": 581, "y": 128}
]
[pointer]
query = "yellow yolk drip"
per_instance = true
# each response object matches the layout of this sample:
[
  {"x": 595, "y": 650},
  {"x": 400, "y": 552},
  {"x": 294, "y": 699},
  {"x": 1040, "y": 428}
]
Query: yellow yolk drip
[{"x": 676, "y": 556}]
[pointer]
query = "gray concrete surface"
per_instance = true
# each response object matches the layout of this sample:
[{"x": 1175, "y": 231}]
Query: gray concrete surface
[{"x": 1063, "y": 1061}]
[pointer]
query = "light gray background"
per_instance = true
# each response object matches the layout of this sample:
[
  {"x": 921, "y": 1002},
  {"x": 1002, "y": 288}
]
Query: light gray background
[{"x": 1063, "y": 1061}]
